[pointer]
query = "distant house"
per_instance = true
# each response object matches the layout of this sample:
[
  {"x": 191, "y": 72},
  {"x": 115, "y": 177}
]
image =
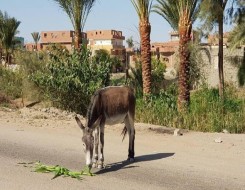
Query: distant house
[
  {"x": 110, "y": 40},
  {"x": 166, "y": 52},
  {"x": 214, "y": 39},
  {"x": 64, "y": 38}
]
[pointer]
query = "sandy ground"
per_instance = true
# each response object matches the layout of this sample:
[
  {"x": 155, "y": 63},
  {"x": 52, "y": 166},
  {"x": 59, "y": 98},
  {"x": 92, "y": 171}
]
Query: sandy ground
[{"x": 163, "y": 161}]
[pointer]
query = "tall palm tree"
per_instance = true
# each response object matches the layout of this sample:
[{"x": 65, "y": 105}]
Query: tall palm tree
[
  {"x": 8, "y": 30},
  {"x": 36, "y": 37},
  {"x": 143, "y": 9},
  {"x": 214, "y": 12},
  {"x": 77, "y": 11},
  {"x": 181, "y": 15}
]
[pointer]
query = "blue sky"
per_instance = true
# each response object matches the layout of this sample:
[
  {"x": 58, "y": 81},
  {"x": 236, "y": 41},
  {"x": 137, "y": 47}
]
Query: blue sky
[{"x": 46, "y": 15}]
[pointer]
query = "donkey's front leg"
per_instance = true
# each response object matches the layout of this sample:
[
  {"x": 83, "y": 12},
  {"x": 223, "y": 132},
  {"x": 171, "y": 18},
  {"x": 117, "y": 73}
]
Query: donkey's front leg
[
  {"x": 96, "y": 144},
  {"x": 101, "y": 155}
]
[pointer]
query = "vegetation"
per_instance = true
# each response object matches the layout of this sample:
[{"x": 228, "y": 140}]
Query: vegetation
[
  {"x": 212, "y": 13},
  {"x": 158, "y": 69},
  {"x": 8, "y": 30},
  {"x": 78, "y": 12},
  {"x": 10, "y": 83},
  {"x": 70, "y": 80},
  {"x": 58, "y": 170},
  {"x": 130, "y": 42},
  {"x": 143, "y": 9},
  {"x": 181, "y": 15},
  {"x": 205, "y": 112},
  {"x": 237, "y": 35},
  {"x": 36, "y": 37}
]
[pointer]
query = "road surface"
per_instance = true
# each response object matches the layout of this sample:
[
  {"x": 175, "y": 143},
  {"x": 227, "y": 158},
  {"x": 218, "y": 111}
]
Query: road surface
[{"x": 163, "y": 161}]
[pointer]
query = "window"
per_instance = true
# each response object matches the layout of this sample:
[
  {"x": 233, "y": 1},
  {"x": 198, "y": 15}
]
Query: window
[{"x": 45, "y": 35}]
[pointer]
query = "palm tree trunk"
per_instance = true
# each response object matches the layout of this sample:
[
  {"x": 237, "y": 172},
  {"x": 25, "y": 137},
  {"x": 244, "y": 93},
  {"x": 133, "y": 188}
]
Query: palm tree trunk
[
  {"x": 184, "y": 68},
  {"x": 77, "y": 39},
  {"x": 145, "y": 31},
  {"x": 220, "y": 58}
]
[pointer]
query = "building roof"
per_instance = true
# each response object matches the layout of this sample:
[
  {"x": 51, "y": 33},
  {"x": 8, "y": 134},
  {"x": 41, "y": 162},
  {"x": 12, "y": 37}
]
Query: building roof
[
  {"x": 165, "y": 47},
  {"x": 105, "y": 34}
]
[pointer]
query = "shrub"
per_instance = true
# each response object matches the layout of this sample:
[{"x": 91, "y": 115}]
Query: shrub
[
  {"x": 10, "y": 82},
  {"x": 70, "y": 81},
  {"x": 29, "y": 63},
  {"x": 158, "y": 69},
  {"x": 207, "y": 112}
]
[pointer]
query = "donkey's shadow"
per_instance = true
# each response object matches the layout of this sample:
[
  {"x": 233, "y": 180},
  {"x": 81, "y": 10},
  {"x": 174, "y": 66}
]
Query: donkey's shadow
[{"x": 126, "y": 164}]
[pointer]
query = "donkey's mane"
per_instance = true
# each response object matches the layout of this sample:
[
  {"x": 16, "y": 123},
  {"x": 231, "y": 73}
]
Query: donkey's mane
[{"x": 91, "y": 106}]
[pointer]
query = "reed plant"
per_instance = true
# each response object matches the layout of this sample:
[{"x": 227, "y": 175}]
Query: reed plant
[{"x": 206, "y": 113}]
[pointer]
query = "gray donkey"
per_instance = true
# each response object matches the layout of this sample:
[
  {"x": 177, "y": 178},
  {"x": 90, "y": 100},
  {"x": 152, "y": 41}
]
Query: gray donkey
[{"x": 110, "y": 105}]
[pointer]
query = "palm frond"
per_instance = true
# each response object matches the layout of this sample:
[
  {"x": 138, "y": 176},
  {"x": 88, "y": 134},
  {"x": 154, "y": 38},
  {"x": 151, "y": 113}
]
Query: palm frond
[
  {"x": 77, "y": 11},
  {"x": 143, "y": 8},
  {"x": 172, "y": 10},
  {"x": 8, "y": 30}
]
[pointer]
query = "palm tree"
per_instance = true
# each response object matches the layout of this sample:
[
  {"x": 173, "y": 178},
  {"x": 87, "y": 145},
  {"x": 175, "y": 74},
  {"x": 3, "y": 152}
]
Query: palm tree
[
  {"x": 181, "y": 15},
  {"x": 169, "y": 11},
  {"x": 8, "y": 30},
  {"x": 77, "y": 11},
  {"x": 237, "y": 35},
  {"x": 36, "y": 38},
  {"x": 143, "y": 9},
  {"x": 212, "y": 13},
  {"x": 130, "y": 42}
]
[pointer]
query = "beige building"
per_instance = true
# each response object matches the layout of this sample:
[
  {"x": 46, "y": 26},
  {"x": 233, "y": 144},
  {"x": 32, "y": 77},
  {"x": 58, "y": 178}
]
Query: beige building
[
  {"x": 110, "y": 40},
  {"x": 214, "y": 39}
]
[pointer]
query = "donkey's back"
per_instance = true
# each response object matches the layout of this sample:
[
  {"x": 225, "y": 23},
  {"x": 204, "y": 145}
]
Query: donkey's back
[{"x": 117, "y": 103}]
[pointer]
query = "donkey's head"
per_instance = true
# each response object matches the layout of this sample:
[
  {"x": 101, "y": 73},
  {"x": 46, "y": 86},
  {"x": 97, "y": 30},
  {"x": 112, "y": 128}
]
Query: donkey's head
[{"x": 88, "y": 139}]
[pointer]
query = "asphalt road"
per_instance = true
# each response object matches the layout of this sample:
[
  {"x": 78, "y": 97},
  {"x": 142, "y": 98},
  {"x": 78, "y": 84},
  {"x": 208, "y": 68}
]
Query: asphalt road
[{"x": 189, "y": 162}]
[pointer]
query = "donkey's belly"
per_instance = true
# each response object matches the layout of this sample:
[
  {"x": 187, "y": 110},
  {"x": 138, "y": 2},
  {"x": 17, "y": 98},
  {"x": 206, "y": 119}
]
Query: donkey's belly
[{"x": 115, "y": 119}]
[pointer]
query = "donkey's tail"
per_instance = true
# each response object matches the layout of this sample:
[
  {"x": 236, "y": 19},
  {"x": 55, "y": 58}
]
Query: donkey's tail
[{"x": 124, "y": 131}]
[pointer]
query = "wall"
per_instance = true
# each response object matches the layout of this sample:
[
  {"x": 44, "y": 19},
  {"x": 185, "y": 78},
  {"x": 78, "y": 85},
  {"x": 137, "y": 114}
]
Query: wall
[{"x": 210, "y": 67}]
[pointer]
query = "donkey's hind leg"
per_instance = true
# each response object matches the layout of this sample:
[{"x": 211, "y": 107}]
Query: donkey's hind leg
[{"x": 129, "y": 123}]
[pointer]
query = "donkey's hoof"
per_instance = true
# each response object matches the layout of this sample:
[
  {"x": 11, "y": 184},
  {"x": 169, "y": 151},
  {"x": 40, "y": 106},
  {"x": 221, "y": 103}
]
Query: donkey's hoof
[
  {"x": 100, "y": 165},
  {"x": 94, "y": 165},
  {"x": 131, "y": 159}
]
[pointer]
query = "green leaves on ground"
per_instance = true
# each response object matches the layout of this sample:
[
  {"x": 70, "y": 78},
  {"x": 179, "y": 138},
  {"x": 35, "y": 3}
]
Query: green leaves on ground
[{"x": 59, "y": 170}]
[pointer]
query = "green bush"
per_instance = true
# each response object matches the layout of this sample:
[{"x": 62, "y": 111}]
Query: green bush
[
  {"x": 207, "y": 112},
  {"x": 10, "y": 82},
  {"x": 29, "y": 63},
  {"x": 70, "y": 81},
  {"x": 157, "y": 76}
]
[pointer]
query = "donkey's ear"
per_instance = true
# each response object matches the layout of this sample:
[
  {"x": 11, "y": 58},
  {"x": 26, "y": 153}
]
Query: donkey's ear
[
  {"x": 97, "y": 122},
  {"x": 79, "y": 123}
]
